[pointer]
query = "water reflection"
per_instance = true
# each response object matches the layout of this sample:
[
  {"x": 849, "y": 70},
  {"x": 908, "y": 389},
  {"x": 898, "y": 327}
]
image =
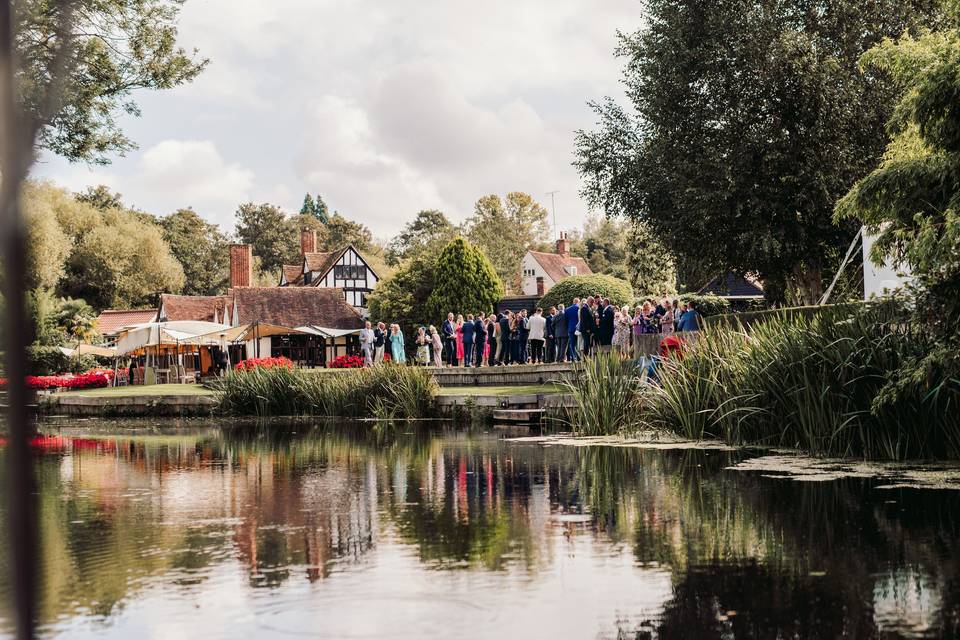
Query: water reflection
[{"x": 332, "y": 532}]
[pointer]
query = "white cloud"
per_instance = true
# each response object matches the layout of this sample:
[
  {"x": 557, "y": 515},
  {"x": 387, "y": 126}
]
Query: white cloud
[{"x": 385, "y": 108}]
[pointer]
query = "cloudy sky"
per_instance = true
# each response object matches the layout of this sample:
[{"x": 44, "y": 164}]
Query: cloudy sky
[{"x": 385, "y": 107}]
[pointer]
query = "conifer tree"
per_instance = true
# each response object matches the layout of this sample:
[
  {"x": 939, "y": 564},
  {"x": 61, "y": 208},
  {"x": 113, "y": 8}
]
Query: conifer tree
[{"x": 464, "y": 281}]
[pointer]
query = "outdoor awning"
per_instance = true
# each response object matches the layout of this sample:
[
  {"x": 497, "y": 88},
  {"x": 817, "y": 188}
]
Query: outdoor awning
[
  {"x": 326, "y": 332},
  {"x": 167, "y": 333},
  {"x": 89, "y": 350},
  {"x": 247, "y": 332}
]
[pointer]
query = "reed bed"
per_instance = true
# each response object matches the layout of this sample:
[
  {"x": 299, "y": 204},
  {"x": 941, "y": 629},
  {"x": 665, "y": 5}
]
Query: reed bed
[
  {"x": 606, "y": 389},
  {"x": 388, "y": 392},
  {"x": 813, "y": 384}
]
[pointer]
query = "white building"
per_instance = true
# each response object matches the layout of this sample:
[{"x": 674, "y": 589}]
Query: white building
[
  {"x": 344, "y": 269},
  {"x": 539, "y": 270},
  {"x": 879, "y": 280}
]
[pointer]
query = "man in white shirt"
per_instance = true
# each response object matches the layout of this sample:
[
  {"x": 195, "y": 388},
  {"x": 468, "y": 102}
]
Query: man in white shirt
[
  {"x": 366, "y": 343},
  {"x": 537, "y": 327}
]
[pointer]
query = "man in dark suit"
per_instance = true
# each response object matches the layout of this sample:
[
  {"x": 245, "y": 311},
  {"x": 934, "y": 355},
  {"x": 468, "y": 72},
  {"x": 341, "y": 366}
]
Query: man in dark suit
[
  {"x": 572, "y": 316},
  {"x": 467, "y": 330},
  {"x": 549, "y": 335},
  {"x": 505, "y": 345},
  {"x": 492, "y": 338},
  {"x": 524, "y": 330},
  {"x": 449, "y": 331},
  {"x": 588, "y": 325},
  {"x": 479, "y": 339},
  {"x": 606, "y": 325}
]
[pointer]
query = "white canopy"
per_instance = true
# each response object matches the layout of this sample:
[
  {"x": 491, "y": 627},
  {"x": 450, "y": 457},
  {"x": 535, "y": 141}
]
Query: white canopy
[
  {"x": 166, "y": 333},
  {"x": 247, "y": 331},
  {"x": 89, "y": 349},
  {"x": 329, "y": 333}
]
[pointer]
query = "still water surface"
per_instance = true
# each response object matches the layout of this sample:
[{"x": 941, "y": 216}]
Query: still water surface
[{"x": 213, "y": 532}]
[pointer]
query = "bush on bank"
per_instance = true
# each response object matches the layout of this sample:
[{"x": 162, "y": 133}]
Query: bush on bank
[
  {"x": 619, "y": 291},
  {"x": 812, "y": 383},
  {"x": 387, "y": 391}
]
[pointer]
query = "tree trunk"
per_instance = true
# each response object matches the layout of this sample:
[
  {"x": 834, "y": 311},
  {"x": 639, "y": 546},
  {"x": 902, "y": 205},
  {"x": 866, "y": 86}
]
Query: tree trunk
[{"x": 808, "y": 279}]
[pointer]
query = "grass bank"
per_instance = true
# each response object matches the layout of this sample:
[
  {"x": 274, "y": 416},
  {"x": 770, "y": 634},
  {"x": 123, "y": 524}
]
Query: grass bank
[{"x": 819, "y": 383}]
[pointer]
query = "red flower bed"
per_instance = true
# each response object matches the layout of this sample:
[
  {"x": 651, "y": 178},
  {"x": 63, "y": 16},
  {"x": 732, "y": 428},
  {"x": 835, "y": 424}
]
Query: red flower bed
[
  {"x": 346, "y": 362},
  {"x": 266, "y": 363},
  {"x": 92, "y": 379}
]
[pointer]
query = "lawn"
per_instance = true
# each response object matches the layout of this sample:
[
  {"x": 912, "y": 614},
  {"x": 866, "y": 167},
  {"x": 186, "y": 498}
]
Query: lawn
[{"x": 143, "y": 390}]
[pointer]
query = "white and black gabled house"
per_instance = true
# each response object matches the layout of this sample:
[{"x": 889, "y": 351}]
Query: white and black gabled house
[{"x": 344, "y": 269}]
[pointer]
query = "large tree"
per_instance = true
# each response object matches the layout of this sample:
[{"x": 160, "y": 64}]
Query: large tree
[
  {"x": 402, "y": 296},
  {"x": 464, "y": 282},
  {"x": 275, "y": 240},
  {"x": 429, "y": 230},
  {"x": 751, "y": 120},
  {"x": 114, "y": 48},
  {"x": 912, "y": 199},
  {"x": 505, "y": 228},
  {"x": 202, "y": 251}
]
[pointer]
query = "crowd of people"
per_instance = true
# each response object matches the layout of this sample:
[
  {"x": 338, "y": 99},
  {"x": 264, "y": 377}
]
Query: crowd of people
[{"x": 561, "y": 334}]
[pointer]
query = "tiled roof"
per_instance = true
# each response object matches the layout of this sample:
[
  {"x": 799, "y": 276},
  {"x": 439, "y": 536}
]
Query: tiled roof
[
  {"x": 554, "y": 264},
  {"x": 732, "y": 285},
  {"x": 296, "y": 307},
  {"x": 203, "y": 308},
  {"x": 292, "y": 274},
  {"x": 322, "y": 262},
  {"x": 111, "y": 320}
]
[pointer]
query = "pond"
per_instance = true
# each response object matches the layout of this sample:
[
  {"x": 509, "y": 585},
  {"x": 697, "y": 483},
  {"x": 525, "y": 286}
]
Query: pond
[{"x": 307, "y": 531}]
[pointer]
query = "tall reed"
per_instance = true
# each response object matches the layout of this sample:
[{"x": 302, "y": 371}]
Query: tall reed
[
  {"x": 605, "y": 387},
  {"x": 810, "y": 383},
  {"x": 387, "y": 391}
]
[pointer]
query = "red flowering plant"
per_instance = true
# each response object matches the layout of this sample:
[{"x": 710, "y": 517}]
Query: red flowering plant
[
  {"x": 346, "y": 362},
  {"x": 265, "y": 363},
  {"x": 92, "y": 379}
]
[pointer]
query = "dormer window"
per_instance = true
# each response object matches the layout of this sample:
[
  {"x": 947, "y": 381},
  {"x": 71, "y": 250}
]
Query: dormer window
[
  {"x": 570, "y": 269},
  {"x": 308, "y": 277}
]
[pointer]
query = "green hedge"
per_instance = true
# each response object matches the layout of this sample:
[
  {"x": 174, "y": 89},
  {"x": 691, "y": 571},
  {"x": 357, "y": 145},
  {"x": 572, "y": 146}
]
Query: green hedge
[
  {"x": 48, "y": 361},
  {"x": 619, "y": 291}
]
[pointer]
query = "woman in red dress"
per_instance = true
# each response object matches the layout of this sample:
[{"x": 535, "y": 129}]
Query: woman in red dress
[{"x": 460, "y": 339}]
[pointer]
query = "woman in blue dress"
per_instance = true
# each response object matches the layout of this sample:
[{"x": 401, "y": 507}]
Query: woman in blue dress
[{"x": 396, "y": 345}]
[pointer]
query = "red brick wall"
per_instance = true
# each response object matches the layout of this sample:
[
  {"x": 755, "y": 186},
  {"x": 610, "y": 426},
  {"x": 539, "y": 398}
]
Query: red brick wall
[
  {"x": 241, "y": 265},
  {"x": 308, "y": 241}
]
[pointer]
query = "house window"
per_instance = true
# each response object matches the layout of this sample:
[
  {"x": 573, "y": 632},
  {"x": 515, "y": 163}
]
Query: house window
[
  {"x": 571, "y": 270},
  {"x": 308, "y": 277},
  {"x": 349, "y": 272}
]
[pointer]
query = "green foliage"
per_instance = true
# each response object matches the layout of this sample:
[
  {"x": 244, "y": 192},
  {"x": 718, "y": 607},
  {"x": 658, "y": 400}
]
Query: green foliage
[
  {"x": 117, "y": 47},
  {"x": 49, "y": 361},
  {"x": 707, "y": 305},
  {"x": 48, "y": 245},
  {"x": 266, "y": 227},
  {"x": 464, "y": 282},
  {"x": 605, "y": 388},
  {"x": 429, "y": 232},
  {"x": 751, "y": 120},
  {"x": 627, "y": 250},
  {"x": 504, "y": 229},
  {"x": 812, "y": 383},
  {"x": 76, "y": 319},
  {"x": 566, "y": 290},
  {"x": 315, "y": 208},
  {"x": 386, "y": 391},
  {"x": 913, "y": 197},
  {"x": 402, "y": 297},
  {"x": 201, "y": 249},
  {"x": 122, "y": 262}
]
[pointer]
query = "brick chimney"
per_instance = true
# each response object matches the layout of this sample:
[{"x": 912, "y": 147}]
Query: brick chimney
[
  {"x": 541, "y": 288},
  {"x": 241, "y": 265},
  {"x": 563, "y": 245},
  {"x": 308, "y": 241}
]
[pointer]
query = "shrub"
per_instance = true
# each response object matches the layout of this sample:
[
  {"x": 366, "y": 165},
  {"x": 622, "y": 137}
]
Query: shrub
[
  {"x": 464, "y": 281},
  {"x": 90, "y": 380},
  {"x": 46, "y": 361},
  {"x": 605, "y": 388},
  {"x": 387, "y": 391},
  {"x": 265, "y": 363},
  {"x": 811, "y": 383},
  {"x": 619, "y": 291},
  {"x": 346, "y": 362}
]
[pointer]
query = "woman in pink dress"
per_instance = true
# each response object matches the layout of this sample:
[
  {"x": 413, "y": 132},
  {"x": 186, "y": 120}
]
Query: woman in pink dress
[{"x": 460, "y": 339}]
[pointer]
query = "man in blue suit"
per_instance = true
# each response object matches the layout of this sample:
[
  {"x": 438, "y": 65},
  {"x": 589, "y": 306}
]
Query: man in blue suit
[
  {"x": 449, "y": 331},
  {"x": 468, "y": 331},
  {"x": 572, "y": 316}
]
